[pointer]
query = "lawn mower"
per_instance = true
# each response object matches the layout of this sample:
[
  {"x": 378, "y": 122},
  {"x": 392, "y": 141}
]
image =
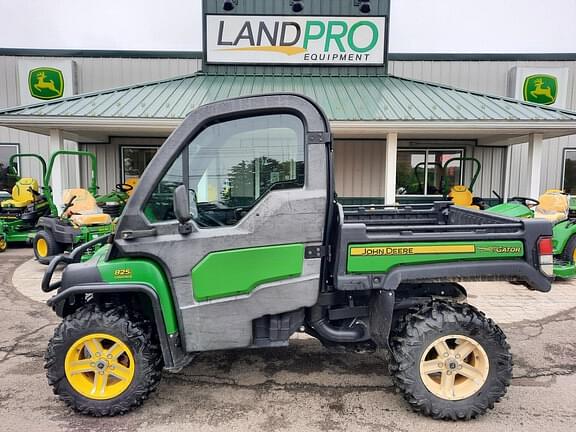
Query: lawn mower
[
  {"x": 20, "y": 213},
  {"x": 460, "y": 195},
  {"x": 80, "y": 221},
  {"x": 556, "y": 207}
]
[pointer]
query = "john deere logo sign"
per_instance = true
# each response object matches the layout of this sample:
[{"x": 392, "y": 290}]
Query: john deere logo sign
[
  {"x": 540, "y": 89},
  {"x": 46, "y": 83},
  {"x": 295, "y": 40}
]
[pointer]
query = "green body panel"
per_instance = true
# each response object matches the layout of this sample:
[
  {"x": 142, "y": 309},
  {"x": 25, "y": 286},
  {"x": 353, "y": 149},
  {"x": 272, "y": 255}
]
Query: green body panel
[
  {"x": 382, "y": 257},
  {"x": 88, "y": 233},
  {"x": 141, "y": 272},
  {"x": 561, "y": 234},
  {"x": 565, "y": 271},
  {"x": 511, "y": 209},
  {"x": 239, "y": 271}
]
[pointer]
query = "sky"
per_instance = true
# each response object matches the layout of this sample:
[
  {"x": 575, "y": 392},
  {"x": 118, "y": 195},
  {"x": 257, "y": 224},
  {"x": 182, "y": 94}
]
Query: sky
[{"x": 416, "y": 26}]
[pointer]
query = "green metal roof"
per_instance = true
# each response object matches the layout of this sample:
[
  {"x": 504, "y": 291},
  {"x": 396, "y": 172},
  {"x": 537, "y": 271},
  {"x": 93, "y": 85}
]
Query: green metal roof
[{"x": 372, "y": 98}]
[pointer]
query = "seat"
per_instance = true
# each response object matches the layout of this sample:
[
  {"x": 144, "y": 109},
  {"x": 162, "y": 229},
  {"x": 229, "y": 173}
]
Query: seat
[
  {"x": 22, "y": 194},
  {"x": 554, "y": 206},
  {"x": 91, "y": 219},
  {"x": 132, "y": 181},
  {"x": 84, "y": 210},
  {"x": 461, "y": 196}
]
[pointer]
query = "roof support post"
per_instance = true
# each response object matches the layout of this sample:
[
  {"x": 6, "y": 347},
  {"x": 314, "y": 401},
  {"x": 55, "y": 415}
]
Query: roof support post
[
  {"x": 534, "y": 164},
  {"x": 507, "y": 168},
  {"x": 56, "y": 143},
  {"x": 390, "y": 168}
]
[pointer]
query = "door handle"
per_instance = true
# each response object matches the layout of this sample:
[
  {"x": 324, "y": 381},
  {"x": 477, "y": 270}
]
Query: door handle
[{"x": 134, "y": 234}]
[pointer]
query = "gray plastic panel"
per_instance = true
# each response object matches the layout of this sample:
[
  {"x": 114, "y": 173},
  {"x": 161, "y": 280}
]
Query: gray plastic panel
[{"x": 280, "y": 217}]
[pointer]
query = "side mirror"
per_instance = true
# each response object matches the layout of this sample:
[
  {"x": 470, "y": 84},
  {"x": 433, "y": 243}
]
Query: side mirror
[{"x": 182, "y": 205}]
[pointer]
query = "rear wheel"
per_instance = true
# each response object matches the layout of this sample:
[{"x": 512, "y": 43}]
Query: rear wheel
[
  {"x": 450, "y": 361},
  {"x": 103, "y": 362},
  {"x": 569, "y": 253},
  {"x": 3, "y": 244},
  {"x": 45, "y": 246}
]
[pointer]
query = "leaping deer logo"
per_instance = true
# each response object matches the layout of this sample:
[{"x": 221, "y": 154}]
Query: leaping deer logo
[
  {"x": 41, "y": 84},
  {"x": 540, "y": 90}
]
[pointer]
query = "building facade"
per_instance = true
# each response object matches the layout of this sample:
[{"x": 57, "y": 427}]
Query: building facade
[{"x": 362, "y": 155}]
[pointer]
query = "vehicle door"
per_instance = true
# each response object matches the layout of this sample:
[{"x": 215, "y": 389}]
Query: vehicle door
[{"x": 256, "y": 170}]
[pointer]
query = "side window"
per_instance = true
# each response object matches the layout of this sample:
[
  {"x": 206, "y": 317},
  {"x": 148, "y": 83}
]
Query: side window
[{"x": 229, "y": 166}]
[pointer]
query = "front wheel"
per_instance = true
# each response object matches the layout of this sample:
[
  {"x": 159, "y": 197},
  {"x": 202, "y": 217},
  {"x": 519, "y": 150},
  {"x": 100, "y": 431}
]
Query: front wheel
[
  {"x": 45, "y": 246},
  {"x": 103, "y": 362},
  {"x": 450, "y": 361}
]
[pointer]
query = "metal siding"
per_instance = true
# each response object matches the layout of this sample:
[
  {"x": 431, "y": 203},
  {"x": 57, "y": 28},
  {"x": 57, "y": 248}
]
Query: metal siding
[
  {"x": 491, "y": 77},
  {"x": 92, "y": 74},
  {"x": 390, "y": 98},
  {"x": 359, "y": 167}
]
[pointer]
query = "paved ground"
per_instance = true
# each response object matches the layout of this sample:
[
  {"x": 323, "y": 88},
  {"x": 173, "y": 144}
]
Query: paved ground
[{"x": 301, "y": 388}]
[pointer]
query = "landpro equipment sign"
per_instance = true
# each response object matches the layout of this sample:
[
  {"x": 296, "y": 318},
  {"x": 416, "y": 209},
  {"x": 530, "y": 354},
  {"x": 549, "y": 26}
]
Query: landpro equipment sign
[{"x": 295, "y": 40}]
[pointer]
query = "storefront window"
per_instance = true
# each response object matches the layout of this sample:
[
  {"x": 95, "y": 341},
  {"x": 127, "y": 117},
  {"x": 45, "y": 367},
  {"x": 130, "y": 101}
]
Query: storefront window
[
  {"x": 135, "y": 160},
  {"x": 6, "y": 151},
  {"x": 569, "y": 181},
  {"x": 423, "y": 171}
]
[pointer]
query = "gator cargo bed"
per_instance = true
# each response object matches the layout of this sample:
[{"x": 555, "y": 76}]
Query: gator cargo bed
[{"x": 381, "y": 246}]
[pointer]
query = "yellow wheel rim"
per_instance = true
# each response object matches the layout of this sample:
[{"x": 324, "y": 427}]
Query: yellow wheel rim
[
  {"x": 574, "y": 256},
  {"x": 3, "y": 245},
  {"x": 42, "y": 247},
  {"x": 99, "y": 366},
  {"x": 454, "y": 367}
]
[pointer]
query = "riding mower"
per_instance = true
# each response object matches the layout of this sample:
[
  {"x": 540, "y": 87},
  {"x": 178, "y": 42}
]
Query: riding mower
[
  {"x": 555, "y": 206},
  {"x": 20, "y": 213},
  {"x": 81, "y": 219},
  {"x": 114, "y": 202},
  {"x": 460, "y": 195}
]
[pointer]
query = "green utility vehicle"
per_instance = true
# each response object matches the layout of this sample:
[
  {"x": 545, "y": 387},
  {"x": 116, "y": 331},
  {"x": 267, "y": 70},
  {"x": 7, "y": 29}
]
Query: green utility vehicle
[
  {"x": 26, "y": 205},
  {"x": 556, "y": 207},
  {"x": 234, "y": 239},
  {"x": 81, "y": 219}
]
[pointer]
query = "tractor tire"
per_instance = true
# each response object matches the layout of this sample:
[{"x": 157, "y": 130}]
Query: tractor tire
[
  {"x": 569, "y": 253},
  {"x": 3, "y": 244},
  {"x": 449, "y": 361},
  {"x": 46, "y": 247},
  {"x": 103, "y": 362}
]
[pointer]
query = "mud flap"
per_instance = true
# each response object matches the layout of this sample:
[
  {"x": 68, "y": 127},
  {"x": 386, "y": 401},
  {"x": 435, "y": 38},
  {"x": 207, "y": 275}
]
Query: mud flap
[{"x": 381, "y": 315}]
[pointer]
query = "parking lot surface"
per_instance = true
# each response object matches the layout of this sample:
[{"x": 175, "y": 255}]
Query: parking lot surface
[{"x": 300, "y": 388}]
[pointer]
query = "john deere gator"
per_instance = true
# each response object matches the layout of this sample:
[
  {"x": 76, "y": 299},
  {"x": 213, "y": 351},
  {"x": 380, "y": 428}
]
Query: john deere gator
[{"x": 234, "y": 239}]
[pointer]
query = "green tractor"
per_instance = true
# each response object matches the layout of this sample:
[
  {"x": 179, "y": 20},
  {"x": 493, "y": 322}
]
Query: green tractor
[
  {"x": 80, "y": 220},
  {"x": 21, "y": 212},
  {"x": 558, "y": 208}
]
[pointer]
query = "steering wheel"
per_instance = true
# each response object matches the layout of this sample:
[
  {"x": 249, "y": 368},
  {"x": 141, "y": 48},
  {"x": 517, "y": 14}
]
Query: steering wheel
[
  {"x": 68, "y": 204},
  {"x": 498, "y": 196},
  {"x": 528, "y": 202},
  {"x": 34, "y": 192},
  {"x": 124, "y": 187}
]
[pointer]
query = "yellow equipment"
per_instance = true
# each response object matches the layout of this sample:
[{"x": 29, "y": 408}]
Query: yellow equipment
[
  {"x": 554, "y": 206},
  {"x": 22, "y": 194},
  {"x": 83, "y": 209}
]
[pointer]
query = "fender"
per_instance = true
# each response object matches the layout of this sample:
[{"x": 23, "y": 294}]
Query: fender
[
  {"x": 562, "y": 233},
  {"x": 173, "y": 356}
]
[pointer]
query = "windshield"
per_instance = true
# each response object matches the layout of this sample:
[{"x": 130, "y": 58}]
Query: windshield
[{"x": 229, "y": 166}]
